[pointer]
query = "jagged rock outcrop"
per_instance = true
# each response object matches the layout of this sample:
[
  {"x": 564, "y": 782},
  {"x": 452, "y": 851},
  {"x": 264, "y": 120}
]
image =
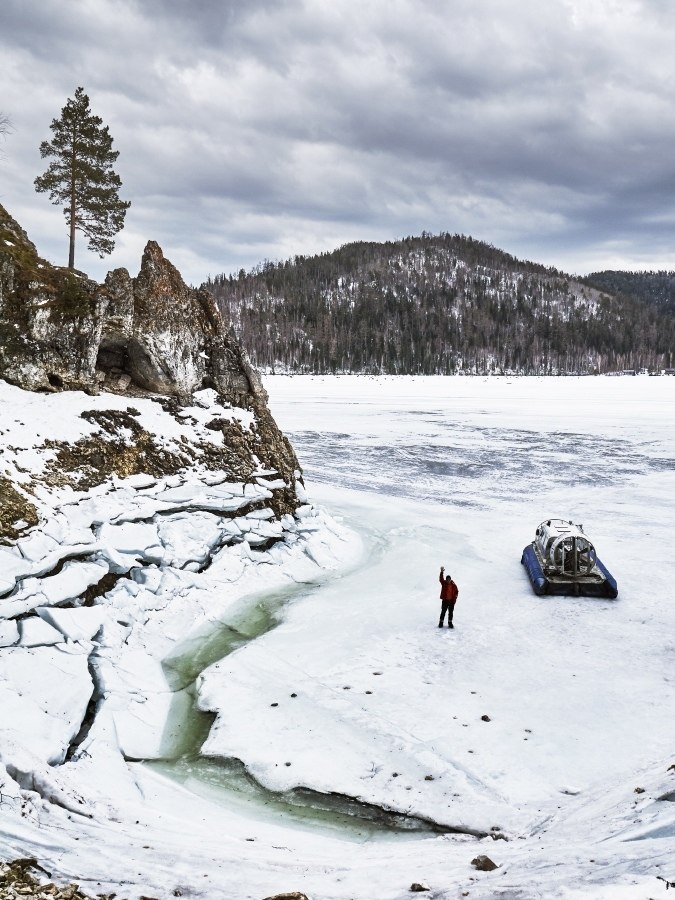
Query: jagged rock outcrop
[
  {"x": 50, "y": 318},
  {"x": 58, "y": 329},
  {"x": 149, "y": 336},
  {"x": 169, "y": 338}
]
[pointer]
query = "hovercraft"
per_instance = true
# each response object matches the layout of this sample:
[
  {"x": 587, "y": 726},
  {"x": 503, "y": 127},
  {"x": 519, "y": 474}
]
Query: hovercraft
[{"x": 561, "y": 560}]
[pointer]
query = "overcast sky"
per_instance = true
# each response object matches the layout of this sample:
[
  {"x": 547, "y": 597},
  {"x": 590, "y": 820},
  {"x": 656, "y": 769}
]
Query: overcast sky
[{"x": 258, "y": 129}]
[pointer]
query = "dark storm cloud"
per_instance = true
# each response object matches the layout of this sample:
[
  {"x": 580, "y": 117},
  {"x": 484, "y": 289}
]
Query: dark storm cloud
[{"x": 261, "y": 129}]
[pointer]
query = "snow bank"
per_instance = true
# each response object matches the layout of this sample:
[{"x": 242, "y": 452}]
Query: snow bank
[{"x": 111, "y": 579}]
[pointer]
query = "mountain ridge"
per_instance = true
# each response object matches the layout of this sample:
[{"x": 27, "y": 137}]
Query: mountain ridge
[{"x": 437, "y": 304}]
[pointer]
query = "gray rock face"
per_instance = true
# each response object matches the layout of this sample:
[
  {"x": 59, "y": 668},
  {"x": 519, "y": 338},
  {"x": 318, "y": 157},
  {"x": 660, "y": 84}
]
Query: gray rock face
[
  {"x": 60, "y": 330},
  {"x": 50, "y": 318},
  {"x": 150, "y": 334},
  {"x": 169, "y": 338}
]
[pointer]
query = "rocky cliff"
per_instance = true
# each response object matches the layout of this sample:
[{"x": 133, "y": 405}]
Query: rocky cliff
[
  {"x": 50, "y": 318},
  {"x": 168, "y": 338},
  {"x": 146, "y": 337},
  {"x": 58, "y": 329}
]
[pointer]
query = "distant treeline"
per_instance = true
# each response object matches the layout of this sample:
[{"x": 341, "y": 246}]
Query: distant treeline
[
  {"x": 438, "y": 304},
  {"x": 657, "y": 288}
]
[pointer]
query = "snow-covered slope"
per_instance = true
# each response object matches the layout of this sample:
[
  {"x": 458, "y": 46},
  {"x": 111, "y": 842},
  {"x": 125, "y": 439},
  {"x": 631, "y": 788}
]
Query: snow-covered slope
[{"x": 105, "y": 575}]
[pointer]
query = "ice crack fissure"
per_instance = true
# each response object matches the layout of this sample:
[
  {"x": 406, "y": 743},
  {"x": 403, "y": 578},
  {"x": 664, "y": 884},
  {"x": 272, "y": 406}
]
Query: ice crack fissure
[
  {"x": 243, "y": 510},
  {"x": 228, "y": 540},
  {"x": 91, "y": 710},
  {"x": 383, "y": 815},
  {"x": 51, "y": 570}
]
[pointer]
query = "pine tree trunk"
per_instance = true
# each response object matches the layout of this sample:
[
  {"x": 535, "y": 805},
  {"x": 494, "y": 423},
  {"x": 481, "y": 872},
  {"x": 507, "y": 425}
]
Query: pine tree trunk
[{"x": 71, "y": 253}]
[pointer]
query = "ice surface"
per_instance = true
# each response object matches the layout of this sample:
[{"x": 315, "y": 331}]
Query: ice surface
[
  {"x": 130, "y": 537},
  {"x": 141, "y": 725},
  {"x": 573, "y": 763},
  {"x": 75, "y": 624},
  {"x": 35, "y": 632},
  {"x": 38, "y": 545},
  {"x": 44, "y": 692},
  {"x": 9, "y": 632}
]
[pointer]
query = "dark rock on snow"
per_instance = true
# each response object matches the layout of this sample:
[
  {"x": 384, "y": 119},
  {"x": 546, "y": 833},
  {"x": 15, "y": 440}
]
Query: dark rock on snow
[
  {"x": 483, "y": 864},
  {"x": 17, "y": 881},
  {"x": 294, "y": 895}
]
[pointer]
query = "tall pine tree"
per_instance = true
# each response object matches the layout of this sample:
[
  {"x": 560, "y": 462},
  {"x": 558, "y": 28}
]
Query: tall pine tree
[{"x": 81, "y": 177}]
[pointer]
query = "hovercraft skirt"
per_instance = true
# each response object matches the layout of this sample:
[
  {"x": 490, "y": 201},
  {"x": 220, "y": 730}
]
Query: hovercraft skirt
[{"x": 534, "y": 571}]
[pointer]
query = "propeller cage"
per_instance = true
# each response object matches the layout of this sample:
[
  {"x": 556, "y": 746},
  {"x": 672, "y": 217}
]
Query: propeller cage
[{"x": 564, "y": 549}]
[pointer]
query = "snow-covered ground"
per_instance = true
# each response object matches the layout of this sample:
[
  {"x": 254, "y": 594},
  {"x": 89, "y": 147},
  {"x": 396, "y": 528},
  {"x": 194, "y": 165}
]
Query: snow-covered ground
[{"x": 356, "y": 692}]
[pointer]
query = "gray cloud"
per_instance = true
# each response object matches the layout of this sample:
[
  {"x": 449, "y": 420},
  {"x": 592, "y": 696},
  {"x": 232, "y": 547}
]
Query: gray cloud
[{"x": 263, "y": 129}]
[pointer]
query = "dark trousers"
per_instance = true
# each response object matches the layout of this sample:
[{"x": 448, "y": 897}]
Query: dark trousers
[{"x": 449, "y": 607}]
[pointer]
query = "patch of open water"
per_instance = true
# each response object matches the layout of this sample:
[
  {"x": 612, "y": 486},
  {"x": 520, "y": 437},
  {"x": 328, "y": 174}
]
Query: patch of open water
[{"x": 226, "y": 781}]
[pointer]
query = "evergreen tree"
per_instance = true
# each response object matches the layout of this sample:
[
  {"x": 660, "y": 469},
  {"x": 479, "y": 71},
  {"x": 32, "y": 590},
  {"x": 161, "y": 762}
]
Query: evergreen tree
[{"x": 81, "y": 176}]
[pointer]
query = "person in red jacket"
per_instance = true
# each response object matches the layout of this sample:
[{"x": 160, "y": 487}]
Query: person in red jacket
[{"x": 449, "y": 594}]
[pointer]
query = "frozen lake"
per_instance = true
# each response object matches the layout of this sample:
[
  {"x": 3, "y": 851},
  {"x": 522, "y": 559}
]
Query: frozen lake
[
  {"x": 479, "y": 441},
  {"x": 459, "y": 471}
]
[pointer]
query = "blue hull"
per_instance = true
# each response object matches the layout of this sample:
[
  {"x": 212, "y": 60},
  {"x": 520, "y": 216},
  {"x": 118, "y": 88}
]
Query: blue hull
[
  {"x": 542, "y": 585},
  {"x": 534, "y": 571}
]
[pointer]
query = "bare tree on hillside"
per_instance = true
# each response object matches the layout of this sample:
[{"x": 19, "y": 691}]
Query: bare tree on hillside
[{"x": 5, "y": 126}]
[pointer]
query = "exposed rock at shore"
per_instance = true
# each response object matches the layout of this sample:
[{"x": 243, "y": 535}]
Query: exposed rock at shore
[
  {"x": 50, "y": 318},
  {"x": 152, "y": 333},
  {"x": 16, "y": 881},
  {"x": 16, "y": 512},
  {"x": 293, "y": 895},
  {"x": 484, "y": 864},
  {"x": 151, "y": 336}
]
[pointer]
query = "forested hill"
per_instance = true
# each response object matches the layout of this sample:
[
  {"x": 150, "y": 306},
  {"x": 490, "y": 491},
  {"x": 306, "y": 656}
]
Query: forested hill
[
  {"x": 436, "y": 304},
  {"x": 657, "y": 288}
]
